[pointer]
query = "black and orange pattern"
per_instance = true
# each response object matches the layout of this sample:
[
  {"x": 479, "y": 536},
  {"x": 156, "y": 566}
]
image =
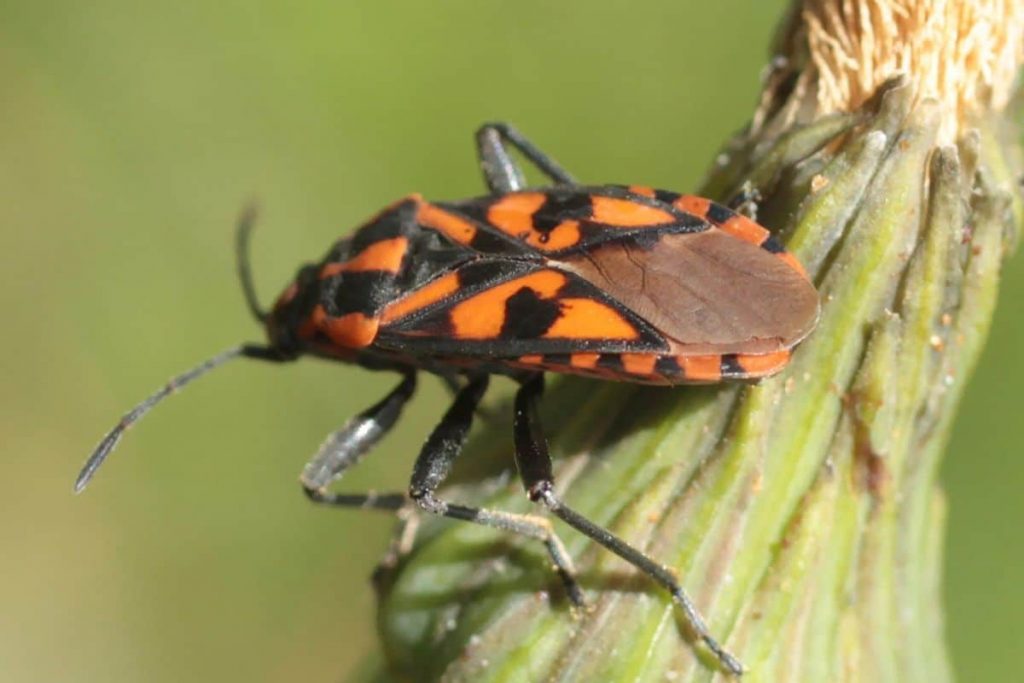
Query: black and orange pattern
[
  {"x": 624, "y": 283},
  {"x": 541, "y": 280}
]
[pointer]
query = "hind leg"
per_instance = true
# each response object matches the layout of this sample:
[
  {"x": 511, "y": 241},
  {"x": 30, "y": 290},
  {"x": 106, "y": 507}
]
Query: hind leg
[{"x": 501, "y": 172}]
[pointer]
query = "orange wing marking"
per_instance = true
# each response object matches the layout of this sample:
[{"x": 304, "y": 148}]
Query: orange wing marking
[
  {"x": 626, "y": 213},
  {"x": 430, "y": 293},
  {"x": 589, "y": 319},
  {"x": 513, "y": 214},
  {"x": 384, "y": 255},
  {"x": 482, "y": 316},
  {"x": 563, "y": 235},
  {"x": 745, "y": 229},
  {"x": 639, "y": 363},
  {"x": 692, "y": 204},
  {"x": 642, "y": 190},
  {"x": 701, "y": 368},
  {"x": 454, "y": 227},
  {"x": 764, "y": 364},
  {"x": 584, "y": 360},
  {"x": 737, "y": 225}
]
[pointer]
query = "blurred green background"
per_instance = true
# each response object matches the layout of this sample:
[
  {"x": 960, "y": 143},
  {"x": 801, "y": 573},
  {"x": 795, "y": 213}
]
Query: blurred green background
[{"x": 131, "y": 135}]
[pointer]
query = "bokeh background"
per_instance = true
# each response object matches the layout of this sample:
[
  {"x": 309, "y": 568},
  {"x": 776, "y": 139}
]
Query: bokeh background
[{"x": 130, "y": 136}]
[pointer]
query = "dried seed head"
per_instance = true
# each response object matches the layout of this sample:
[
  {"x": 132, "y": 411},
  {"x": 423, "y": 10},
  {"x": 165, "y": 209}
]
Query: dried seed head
[{"x": 962, "y": 53}]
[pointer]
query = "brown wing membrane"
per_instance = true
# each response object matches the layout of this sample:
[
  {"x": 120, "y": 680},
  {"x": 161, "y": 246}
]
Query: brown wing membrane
[{"x": 708, "y": 292}]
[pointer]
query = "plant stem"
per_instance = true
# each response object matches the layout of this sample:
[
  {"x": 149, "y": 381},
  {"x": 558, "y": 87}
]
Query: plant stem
[{"x": 802, "y": 513}]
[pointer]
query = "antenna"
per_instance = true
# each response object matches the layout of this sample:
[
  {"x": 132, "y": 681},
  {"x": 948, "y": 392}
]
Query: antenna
[
  {"x": 135, "y": 414},
  {"x": 242, "y": 234}
]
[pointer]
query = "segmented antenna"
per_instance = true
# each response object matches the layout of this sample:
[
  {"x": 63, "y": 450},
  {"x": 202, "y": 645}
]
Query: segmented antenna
[
  {"x": 135, "y": 414},
  {"x": 242, "y": 234}
]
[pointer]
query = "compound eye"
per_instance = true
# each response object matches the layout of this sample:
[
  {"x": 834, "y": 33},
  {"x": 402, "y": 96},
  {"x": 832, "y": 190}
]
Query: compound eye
[{"x": 287, "y": 296}]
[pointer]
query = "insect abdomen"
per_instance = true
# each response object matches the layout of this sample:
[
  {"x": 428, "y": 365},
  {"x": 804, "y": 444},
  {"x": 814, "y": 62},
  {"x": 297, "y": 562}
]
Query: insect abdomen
[{"x": 648, "y": 368}]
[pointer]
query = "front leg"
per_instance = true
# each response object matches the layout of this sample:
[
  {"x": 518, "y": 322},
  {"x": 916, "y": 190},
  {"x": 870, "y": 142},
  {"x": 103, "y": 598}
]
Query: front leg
[{"x": 345, "y": 447}]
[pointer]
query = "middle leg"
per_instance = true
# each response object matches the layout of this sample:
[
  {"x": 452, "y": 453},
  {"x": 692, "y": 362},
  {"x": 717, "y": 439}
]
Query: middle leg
[{"x": 435, "y": 462}]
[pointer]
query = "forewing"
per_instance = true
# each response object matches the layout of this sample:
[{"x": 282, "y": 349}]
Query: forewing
[
  {"x": 505, "y": 308},
  {"x": 556, "y": 220}
]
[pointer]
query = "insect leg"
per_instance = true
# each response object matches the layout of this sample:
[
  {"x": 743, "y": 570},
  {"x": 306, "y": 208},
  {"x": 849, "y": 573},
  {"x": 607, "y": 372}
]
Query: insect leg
[
  {"x": 434, "y": 463},
  {"x": 343, "y": 449},
  {"x": 348, "y": 445},
  {"x": 746, "y": 200},
  {"x": 534, "y": 464},
  {"x": 454, "y": 385},
  {"x": 501, "y": 172},
  {"x": 401, "y": 544}
]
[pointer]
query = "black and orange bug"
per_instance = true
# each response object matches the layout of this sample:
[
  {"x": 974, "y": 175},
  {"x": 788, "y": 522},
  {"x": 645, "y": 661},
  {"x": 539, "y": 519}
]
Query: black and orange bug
[{"x": 622, "y": 283}]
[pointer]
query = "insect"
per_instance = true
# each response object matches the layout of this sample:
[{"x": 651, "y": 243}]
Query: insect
[{"x": 621, "y": 283}]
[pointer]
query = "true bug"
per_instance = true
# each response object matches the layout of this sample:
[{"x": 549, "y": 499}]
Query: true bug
[{"x": 621, "y": 283}]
